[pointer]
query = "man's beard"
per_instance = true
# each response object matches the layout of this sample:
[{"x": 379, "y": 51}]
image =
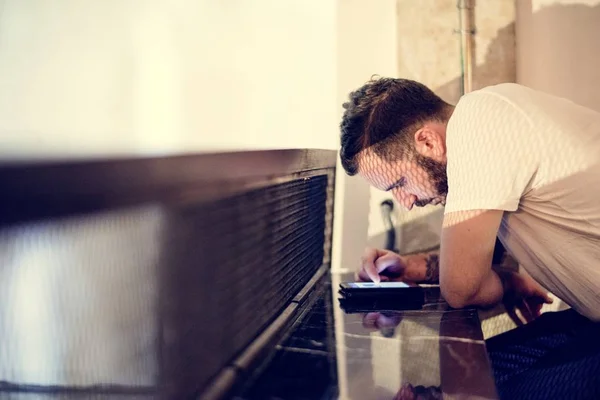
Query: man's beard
[{"x": 437, "y": 175}]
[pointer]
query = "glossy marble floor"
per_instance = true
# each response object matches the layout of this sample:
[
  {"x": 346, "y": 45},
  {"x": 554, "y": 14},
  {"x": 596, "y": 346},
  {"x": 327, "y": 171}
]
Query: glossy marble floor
[{"x": 433, "y": 351}]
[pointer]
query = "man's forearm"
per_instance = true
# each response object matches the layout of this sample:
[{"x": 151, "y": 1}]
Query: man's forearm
[
  {"x": 432, "y": 272},
  {"x": 423, "y": 267}
]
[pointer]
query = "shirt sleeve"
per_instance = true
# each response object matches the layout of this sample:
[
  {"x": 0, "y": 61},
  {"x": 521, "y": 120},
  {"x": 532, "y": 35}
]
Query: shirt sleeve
[{"x": 492, "y": 154}]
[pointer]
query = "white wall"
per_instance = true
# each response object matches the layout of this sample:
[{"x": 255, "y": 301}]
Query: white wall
[
  {"x": 558, "y": 49},
  {"x": 366, "y": 46},
  {"x": 80, "y": 78}
]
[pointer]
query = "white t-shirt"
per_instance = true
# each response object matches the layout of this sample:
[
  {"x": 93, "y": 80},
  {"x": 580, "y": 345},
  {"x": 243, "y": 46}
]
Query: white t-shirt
[{"x": 537, "y": 157}]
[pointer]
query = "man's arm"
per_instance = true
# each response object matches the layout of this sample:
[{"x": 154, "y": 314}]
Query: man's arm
[
  {"x": 467, "y": 247},
  {"x": 429, "y": 264},
  {"x": 432, "y": 271},
  {"x": 414, "y": 267}
]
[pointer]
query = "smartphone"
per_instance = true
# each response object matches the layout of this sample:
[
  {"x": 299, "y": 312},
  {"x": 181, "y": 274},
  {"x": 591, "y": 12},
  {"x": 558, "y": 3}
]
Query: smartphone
[
  {"x": 409, "y": 291},
  {"x": 370, "y": 296},
  {"x": 372, "y": 285}
]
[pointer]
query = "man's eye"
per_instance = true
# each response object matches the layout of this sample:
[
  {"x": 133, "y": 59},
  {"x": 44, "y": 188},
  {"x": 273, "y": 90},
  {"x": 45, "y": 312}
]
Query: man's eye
[{"x": 398, "y": 184}]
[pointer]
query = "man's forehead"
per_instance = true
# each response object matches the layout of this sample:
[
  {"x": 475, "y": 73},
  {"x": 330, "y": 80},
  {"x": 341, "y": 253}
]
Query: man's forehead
[
  {"x": 377, "y": 170},
  {"x": 370, "y": 164},
  {"x": 367, "y": 161}
]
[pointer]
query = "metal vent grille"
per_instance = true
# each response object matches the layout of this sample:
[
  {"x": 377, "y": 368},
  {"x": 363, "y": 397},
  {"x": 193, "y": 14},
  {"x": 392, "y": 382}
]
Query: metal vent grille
[
  {"x": 154, "y": 300},
  {"x": 246, "y": 257}
]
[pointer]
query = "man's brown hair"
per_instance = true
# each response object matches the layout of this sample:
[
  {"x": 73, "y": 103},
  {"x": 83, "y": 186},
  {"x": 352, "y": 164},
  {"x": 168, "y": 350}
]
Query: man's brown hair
[{"x": 383, "y": 115}]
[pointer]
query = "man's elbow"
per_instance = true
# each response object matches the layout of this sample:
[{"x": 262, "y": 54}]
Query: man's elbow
[
  {"x": 457, "y": 296},
  {"x": 456, "y": 300}
]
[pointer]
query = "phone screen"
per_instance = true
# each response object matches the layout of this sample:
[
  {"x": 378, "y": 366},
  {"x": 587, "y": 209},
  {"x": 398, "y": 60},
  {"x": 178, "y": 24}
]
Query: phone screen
[{"x": 383, "y": 285}]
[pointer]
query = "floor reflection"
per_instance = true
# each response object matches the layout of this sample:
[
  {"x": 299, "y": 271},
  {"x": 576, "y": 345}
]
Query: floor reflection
[{"x": 425, "y": 353}]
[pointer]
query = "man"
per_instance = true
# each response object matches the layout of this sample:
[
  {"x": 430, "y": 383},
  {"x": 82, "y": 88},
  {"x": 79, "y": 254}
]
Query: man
[{"x": 507, "y": 162}]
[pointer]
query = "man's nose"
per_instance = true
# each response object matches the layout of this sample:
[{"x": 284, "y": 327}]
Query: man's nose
[{"x": 406, "y": 199}]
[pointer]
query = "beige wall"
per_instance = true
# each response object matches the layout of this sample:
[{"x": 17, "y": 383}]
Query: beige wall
[
  {"x": 558, "y": 48},
  {"x": 110, "y": 77}
]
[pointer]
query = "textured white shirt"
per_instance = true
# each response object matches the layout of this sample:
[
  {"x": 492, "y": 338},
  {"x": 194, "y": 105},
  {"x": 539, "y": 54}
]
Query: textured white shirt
[{"x": 537, "y": 157}]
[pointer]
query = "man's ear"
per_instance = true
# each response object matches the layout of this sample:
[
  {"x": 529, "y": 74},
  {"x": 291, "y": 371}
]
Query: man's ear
[{"x": 430, "y": 141}]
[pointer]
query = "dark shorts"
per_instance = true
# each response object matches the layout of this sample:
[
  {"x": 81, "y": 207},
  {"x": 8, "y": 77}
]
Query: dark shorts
[{"x": 556, "y": 356}]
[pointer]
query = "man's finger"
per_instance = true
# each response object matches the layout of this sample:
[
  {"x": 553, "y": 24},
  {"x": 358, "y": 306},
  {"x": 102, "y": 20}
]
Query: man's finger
[
  {"x": 389, "y": 263},
  {"x": 368, "y": 265},
  {"x": 537, "y": 309},
  {"x": 526, "y": 310},
  {"x": 512, "y": 313},
  {"x": 363, "y": 277}
]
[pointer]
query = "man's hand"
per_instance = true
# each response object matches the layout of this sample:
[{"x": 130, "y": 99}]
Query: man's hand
[
  {"x": 379, "y": 265},
  {"x": 524, "y": 294}
]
